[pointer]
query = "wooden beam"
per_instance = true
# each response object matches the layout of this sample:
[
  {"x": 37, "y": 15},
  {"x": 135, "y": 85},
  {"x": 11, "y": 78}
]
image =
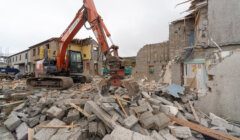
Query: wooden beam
[
  {"x": 204, "y": 130},
  {"x": 120, "y": 104},
  {"x": 12, "y": 103},
  {"x": 30, "y": 133},
  {"x": 194, "y": 112},
  {"x": 80, "y": 110}
]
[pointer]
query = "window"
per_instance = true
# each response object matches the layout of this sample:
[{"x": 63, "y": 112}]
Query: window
[
  {"x": 47, "y": 46},
  {"x": 13, "y": 59},
  {"x": 34, "y": 52},
  {"x": 16, "y": 58},
  {"x": 20, "y": 57},
  {"x": 26, "y": 55},
  {"x": 38, "y": 50}
]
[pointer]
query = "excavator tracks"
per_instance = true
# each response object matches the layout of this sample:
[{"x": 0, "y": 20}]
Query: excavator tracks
[{"x": 50, "y": 82}]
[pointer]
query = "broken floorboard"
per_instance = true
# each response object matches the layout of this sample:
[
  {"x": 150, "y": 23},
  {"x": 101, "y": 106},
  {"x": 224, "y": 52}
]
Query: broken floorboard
[{"x": 204, "y": 130}]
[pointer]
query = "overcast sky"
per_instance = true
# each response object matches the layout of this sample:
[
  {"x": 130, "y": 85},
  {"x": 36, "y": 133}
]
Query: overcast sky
[{"x": 132, "y": 23}]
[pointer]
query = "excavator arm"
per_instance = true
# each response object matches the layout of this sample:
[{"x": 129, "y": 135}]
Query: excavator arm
[{"x": 88, "y": 13}]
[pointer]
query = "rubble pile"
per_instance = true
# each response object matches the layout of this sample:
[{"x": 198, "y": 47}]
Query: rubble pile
[{"x": 85, "y": 112}]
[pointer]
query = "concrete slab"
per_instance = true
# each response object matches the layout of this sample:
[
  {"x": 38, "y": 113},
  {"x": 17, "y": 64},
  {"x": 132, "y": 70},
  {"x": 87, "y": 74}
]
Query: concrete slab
[
  {"x": 101, "y": 114},
  {"x": 156, "y": 136},
  {"x": 12, "y": 122},
  {"x": 161, "y": 121},
  {"x": 93, "y": 128},
  {"x": 181, "y": 132},
  {"x": 130, "y": 121},
  {"x": 47, "y": 133},
  {"x": 55, "y": 112},
  {"x": 121, "y": 133},
  {"x": 22, "y": 131},
  {"x": 5, "y": 134}
]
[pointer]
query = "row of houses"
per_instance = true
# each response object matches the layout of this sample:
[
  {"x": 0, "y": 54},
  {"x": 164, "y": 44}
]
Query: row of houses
[
  {"x": 26, "y": 60},
  {"x": 198, "y": 45}
]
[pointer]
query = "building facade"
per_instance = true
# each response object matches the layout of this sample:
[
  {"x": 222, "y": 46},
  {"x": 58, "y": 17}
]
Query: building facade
[
  {"x": 26, "y": 60},
  {"x": 19, "y": 61}
]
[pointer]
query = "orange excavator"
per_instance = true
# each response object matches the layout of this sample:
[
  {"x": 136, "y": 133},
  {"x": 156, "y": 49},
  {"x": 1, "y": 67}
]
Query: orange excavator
[{"x": 67, "y": 67}]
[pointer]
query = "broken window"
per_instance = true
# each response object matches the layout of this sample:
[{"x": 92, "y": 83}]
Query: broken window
[
  {"x": 151, "y": 69},
  {"x": 34, "y": 52}
]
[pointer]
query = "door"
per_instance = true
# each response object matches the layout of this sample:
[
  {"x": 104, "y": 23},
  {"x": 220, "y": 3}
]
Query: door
[{"x": 75, "y": 62}]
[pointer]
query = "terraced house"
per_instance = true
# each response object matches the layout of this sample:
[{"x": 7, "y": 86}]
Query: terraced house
[{"x": 26, "y": 60}]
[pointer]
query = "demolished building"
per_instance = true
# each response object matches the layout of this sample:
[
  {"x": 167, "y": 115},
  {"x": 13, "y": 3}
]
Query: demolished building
[{"x": 198, "y": 45}]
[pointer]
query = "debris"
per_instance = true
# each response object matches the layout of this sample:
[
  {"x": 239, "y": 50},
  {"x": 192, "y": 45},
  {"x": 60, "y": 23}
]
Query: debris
[
  {"x": 107, "y": 106},
  {"x": 161, "y": 121},
  {"x": 22, "y": 131},
  {"x": 71, "y": 114},
  {"x": 121, "y": 133},
  {"x": 204, "y": 130},
  {"x": 166, "y": 135},
  {"x": 12, "y": 122},
  {"x": 55, "y": 112},
  {"x": 175, "y": 90},
  {"x": 30, "y": 134},
  {"x": 80, "y": 110},
  {"x": 47, "y": 133},
  {"x": 93, "y": 127},
  {"x": 194, "y": 112},
  {"x": 156, "y": 136},
  {"x": 169, "y": 110},
  {"x": 130, "y": 121},
  {"x": 181, "y": 132},
  {"x": 101, "y": 114},
  {"x": 5, "y": 134}
]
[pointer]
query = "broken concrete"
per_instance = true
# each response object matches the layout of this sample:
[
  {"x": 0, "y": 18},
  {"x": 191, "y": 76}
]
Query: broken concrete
[
  {"x": 181, "y": 132},
  {"x": 12, "y": 122},
  {"x": 22, "y": 131},
  {"x": 130, "y": 121},
  {"x": 55, "y": 112},
  {"x": 121, "y": 133},
  {"x": 5, "y": 134},
  {"x": 47, "y": 133},
  {"x": 101, "y": 114}
]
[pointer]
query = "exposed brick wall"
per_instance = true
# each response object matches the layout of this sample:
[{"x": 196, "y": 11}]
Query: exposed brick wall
[{"x": 151, "y": 59}]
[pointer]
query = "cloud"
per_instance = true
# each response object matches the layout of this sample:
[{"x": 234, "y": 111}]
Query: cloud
[{"x": 132, "y": 23}]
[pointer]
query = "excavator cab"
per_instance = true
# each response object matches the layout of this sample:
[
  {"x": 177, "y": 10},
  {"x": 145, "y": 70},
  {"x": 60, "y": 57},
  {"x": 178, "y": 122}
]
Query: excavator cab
[{"x": 75, "y": 62}]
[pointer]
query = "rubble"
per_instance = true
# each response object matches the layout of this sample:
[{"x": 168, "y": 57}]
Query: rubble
[
  {"x": 12, "y": 122},
  {"x": 181, "y": 132},
  {"x": 22, "y": 131},
  {"x": 150, "y": 115}
]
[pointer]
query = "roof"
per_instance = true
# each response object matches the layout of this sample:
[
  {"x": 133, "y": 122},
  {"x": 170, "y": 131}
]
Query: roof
[
  {"x": 44, "y": 42},
  {"x": 84, "y": 42},
  {"x": 195, "y": 6},
  {"x": 19, "y": 53}
]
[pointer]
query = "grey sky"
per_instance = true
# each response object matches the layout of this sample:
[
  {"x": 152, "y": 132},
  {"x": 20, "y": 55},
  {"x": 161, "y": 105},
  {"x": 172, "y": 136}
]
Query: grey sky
[{"x": 132, "y": 23}]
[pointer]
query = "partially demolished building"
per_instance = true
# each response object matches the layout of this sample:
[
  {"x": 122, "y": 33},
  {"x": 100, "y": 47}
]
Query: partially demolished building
[{"x": 201, "y": 46}]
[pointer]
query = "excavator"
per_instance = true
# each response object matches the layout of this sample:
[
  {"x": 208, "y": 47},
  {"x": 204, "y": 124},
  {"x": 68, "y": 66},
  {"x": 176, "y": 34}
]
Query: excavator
[{"x": 60, "y": 72}]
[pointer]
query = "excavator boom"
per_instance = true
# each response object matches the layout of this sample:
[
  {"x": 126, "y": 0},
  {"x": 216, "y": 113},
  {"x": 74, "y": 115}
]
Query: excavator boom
[{"x": 87, "y": 13}]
